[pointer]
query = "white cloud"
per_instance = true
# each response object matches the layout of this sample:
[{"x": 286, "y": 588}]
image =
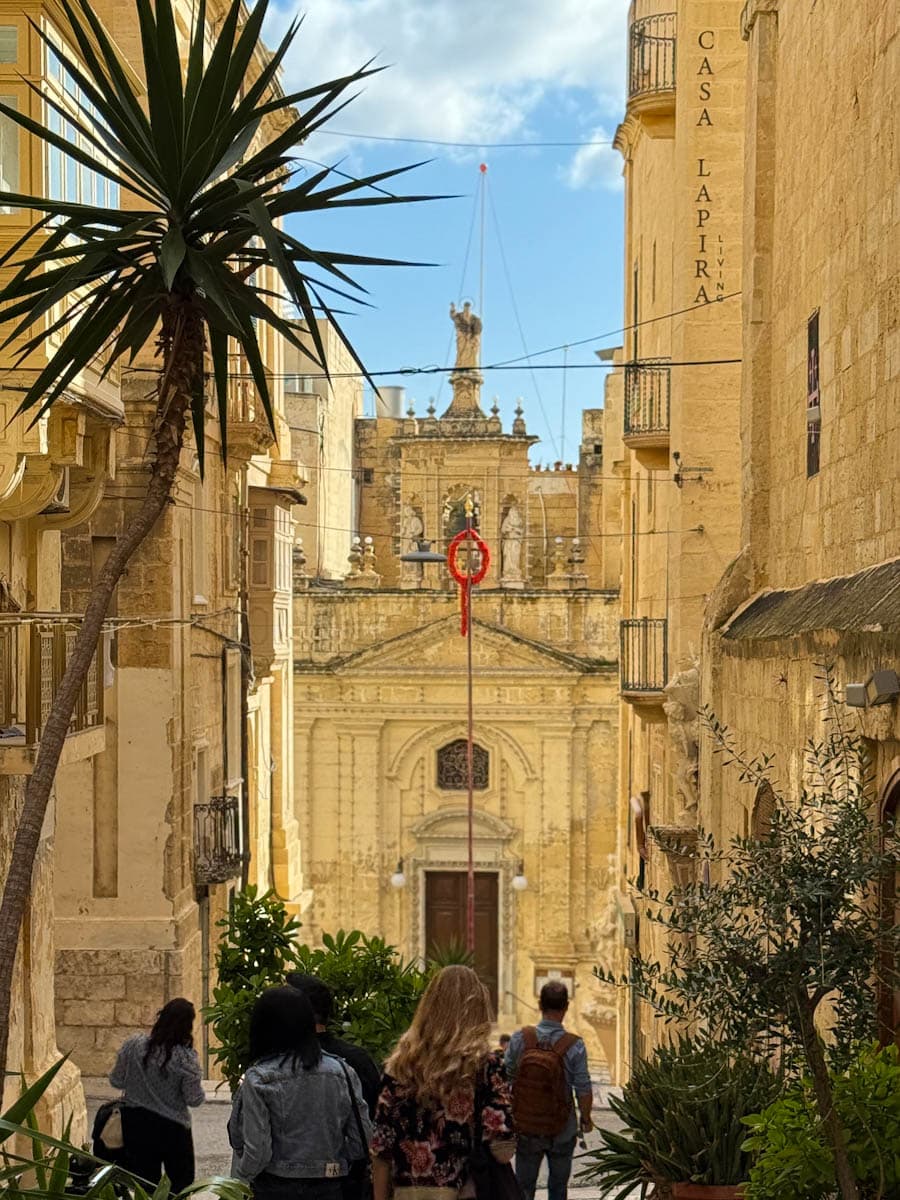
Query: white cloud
[
  {"x": 595, "y": 165},
  {"x": 467, "y": 70}
]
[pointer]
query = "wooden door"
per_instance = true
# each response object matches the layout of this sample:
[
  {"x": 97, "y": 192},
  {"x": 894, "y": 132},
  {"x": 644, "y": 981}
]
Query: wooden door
[{"x": 445, "y": 920}]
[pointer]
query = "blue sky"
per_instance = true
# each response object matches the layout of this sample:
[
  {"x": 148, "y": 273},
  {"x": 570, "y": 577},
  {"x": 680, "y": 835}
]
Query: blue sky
[{"x": 483, "y": 72}]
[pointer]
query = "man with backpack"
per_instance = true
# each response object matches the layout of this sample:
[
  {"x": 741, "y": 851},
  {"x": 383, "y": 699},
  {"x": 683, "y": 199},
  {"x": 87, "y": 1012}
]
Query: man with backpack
[{"x": 547, "y": 1065}]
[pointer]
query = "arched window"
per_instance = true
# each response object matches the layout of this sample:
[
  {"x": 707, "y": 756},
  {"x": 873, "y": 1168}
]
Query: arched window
[
  {"x": 763, "y": 809},
  {"x": 888, "y": 993},
  {"x": 452, "y": 767}
]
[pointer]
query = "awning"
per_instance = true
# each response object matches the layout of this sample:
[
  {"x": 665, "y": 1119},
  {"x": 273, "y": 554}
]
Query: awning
[{"x": 867, "y": 602}]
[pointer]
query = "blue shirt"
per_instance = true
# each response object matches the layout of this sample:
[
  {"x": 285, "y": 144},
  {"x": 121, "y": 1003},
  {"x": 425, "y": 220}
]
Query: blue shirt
[{"x": 575, "y": 1062}]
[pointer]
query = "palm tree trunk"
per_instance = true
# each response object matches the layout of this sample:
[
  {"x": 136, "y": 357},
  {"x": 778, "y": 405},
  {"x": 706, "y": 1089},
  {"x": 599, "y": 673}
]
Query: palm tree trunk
[{"x": 17, "y": 887}]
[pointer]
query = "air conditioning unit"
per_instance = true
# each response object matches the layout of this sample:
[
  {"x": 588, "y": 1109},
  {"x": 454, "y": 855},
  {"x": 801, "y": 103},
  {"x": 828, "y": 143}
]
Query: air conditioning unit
[{"x": 59, "y": 502}]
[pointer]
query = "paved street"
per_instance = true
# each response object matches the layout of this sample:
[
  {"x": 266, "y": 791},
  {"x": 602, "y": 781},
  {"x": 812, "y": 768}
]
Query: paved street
[{"x": 211, "y": 1139}]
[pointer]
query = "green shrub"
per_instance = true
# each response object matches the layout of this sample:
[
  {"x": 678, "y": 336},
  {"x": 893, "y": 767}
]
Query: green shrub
[
  {"x": 258, "y": 948},
  {"x": 375, "y": 991},
  {"x": 682, "y": 1110},
  {"x": 791, "y": 1157}
]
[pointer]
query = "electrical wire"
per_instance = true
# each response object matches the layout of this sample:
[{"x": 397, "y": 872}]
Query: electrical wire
[{"x": 418, "y": 141}]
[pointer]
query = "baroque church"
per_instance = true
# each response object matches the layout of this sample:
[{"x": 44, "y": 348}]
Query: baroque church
[{"x": 381, "y": 702}]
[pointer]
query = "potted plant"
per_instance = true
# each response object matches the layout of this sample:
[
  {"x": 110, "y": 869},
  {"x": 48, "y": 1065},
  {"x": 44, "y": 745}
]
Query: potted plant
[{"x": 683, "y": 1110}]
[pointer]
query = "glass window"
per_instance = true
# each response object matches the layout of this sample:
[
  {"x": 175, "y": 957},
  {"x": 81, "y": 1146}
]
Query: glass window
[
  {"x": 9, "y": 43},
  {"x": 54, "y": 64},
  {"x": 9, "y": 151}
]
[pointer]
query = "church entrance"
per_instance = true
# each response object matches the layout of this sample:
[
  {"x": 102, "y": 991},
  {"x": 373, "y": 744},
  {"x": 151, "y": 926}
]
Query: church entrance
[{"x": 445, "y": 920}]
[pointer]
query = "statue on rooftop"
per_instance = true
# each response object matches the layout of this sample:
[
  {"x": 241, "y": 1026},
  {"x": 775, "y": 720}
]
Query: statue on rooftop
[{"x": 468, "y": 337}]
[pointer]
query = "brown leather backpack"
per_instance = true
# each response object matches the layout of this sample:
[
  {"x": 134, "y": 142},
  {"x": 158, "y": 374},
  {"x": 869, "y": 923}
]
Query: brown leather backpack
[{"x": 542, "y": 1097}]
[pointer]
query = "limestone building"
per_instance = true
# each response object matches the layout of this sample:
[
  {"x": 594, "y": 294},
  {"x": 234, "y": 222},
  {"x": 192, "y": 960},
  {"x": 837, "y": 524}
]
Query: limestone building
[
  {"x": 681, "y": 141},
  {"x": 818, "y": 576},
  {"x": 52, "y": 477},
  {"x": 380, "y": 704},
  {"x": 191, "y": 793}
]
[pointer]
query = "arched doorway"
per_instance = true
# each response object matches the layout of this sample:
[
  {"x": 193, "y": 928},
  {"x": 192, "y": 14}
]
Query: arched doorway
[{"x": 888, "y": 992}]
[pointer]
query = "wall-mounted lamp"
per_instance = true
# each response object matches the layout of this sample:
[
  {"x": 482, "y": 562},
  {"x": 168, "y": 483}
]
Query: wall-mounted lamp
[
  {"x": 398, "y": 879},
  {"x": 520, "y": 880},
  {"x": 880, "y": 688}
]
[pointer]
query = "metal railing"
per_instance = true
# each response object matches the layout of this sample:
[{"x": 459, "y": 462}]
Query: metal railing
[
  {"x": 643, "y": 654},
  {"x": 647, "y": 393},
  {"x": 217, "y": 840},
  {"x": 651, "y": 57},
  {"x": 33, "y": 660}
]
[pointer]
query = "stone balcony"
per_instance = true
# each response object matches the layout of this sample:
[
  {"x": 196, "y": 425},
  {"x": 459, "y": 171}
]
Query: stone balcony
[{"x": 651, "y": 65}]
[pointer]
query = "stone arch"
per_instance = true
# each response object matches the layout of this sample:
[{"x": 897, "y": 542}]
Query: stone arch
[{"x": 424, "y": 741}]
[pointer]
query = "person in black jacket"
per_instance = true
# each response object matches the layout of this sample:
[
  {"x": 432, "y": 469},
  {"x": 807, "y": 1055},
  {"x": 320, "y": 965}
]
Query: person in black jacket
[{"x": 321, "y": 1001}]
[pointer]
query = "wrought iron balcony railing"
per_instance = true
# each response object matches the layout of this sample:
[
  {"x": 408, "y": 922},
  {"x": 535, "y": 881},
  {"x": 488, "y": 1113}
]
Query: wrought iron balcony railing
[
  {"x": 217, "y": 840},
  {"x": 643, "y": 655},
  {"x": 33, "y": 659},
  {"x": 651, "y": 57},
  {"x": 647, "y": 394}
]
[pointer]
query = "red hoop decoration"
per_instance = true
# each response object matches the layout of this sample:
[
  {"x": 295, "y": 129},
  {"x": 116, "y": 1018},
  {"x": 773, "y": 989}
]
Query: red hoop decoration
[{"x": 466, "y": 581}]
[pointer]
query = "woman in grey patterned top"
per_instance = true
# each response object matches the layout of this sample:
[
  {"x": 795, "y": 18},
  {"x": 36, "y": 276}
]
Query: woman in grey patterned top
[{"x": 160, "y": 1076}]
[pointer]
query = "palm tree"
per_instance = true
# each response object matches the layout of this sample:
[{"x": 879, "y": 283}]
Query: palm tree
[{"x": 208, "y": 193}]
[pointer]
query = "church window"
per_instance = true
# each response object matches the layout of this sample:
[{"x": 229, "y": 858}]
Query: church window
[{"x": 452, "y": 767}]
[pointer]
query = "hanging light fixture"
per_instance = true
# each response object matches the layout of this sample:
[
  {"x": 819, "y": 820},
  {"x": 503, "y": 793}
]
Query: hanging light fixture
[
  {"x": 424, "y": 554},
  {"x": 398, "y": 879},
  {"x": 520, "y": 880}
]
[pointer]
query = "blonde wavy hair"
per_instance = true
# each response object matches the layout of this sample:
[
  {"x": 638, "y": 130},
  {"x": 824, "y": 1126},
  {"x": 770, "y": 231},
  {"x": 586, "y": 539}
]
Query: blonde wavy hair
[{"x": 449, "y": 1039}]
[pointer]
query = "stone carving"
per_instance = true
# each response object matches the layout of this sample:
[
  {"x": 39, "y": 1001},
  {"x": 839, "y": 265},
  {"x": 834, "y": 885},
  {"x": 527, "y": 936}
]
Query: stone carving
[
  {"x": 468, "y": 337},
  {"x": 300, "y": 577},
  {"x": 412, "y": 528},
  {"x": 512, "y": 535},
  {"x": 354, "y": 558},
  {"x": 682, "y": 707}
]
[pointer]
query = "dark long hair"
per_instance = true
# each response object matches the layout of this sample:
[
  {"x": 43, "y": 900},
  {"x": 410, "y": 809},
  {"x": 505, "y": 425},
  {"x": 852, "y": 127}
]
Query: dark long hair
[
  {"x": 282, "y": 1023},
  {"x": 174, "y": 1027}
]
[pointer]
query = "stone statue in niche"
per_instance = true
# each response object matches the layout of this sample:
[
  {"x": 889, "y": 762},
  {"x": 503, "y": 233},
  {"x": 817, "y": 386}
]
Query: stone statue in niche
[
  {"x": 468, "y": 337},
  {"x": 512, "y": 537},
  {"x": 682, "y": 708},
  {"x": 412, "y": 529}
]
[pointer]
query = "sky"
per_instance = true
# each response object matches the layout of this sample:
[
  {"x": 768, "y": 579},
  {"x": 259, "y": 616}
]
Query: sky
[{"x": 482, "y": 72}]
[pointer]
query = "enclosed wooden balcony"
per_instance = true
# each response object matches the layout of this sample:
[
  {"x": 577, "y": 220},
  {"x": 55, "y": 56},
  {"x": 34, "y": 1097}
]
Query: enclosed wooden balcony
[
  {"x": 33, "y": 659},
  {"x": 651, "y": 65},
  {"x": 643, "y": 660}
]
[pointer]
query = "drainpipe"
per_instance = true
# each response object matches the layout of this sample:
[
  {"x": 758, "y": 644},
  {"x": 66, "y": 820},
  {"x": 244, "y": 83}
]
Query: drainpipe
[{"x": 246, "y": 683}]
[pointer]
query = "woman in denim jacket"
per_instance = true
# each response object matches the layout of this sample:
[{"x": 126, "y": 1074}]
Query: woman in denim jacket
[{"x": 294, "y": 1127}]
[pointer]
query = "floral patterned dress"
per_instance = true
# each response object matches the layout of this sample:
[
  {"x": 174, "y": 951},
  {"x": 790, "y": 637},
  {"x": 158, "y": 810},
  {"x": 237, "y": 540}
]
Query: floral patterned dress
[{"x": 431, "y": 1147}]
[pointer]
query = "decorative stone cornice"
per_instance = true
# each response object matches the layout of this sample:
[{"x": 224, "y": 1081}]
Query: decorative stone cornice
[{"x": 754, "y": 9}]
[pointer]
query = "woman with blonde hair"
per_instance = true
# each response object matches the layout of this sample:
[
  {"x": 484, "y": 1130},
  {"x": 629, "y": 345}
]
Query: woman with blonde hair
[{"x": 444, "y": 1093}]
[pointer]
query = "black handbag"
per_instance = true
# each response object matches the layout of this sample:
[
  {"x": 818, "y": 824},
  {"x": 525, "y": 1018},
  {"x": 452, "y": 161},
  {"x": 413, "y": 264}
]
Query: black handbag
[
  {"x": 357, "y": 1183},
  {"x": 493, "y": 1180}
]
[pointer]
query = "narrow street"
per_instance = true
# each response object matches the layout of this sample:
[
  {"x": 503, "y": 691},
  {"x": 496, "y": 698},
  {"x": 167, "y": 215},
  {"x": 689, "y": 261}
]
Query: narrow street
[{"x": 213, "y": 1154}]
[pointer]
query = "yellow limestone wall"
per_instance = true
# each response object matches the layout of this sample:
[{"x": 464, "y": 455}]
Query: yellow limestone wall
[
  {"x": 822, "y": 232},
  {"x": 683, "y": 164}
]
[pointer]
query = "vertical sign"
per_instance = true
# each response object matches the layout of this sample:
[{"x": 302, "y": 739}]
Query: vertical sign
[{"x": 813, "y": 409}]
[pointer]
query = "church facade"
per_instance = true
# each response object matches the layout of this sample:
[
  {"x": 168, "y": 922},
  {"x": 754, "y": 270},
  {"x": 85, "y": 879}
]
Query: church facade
[{"x": 381, "y": 705}]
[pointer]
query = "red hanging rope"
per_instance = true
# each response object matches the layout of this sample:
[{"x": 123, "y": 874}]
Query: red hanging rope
[{"x": 466, "y": 579}]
